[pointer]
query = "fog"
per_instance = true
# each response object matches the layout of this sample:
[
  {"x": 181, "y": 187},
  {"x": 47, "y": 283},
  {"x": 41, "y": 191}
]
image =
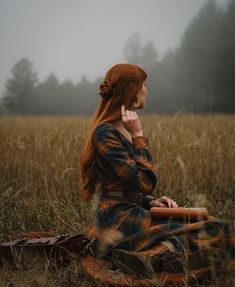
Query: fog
[{"x": 72, "y": 38}]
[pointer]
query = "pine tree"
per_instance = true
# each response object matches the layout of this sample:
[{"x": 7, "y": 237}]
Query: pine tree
[{"x": 19, "y": 96}]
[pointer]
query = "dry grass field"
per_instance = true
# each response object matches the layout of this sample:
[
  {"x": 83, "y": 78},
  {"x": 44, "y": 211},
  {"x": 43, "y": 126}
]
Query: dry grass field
[{"x": 39, "y": 183}]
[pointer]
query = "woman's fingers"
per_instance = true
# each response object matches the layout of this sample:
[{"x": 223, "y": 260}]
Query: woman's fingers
[
  {"x": 156, "y": 203},
  {"x": 163, "y": 202},
  {"x": 123, "y": 112},
  {"x": 168, "y": 202},
  {"x": 171, "y": 203},
  {"x": 131, "y": 122},
  {"x": 174, "y": 204},
  {"x": 128, "y": 114},
  {"x": 135, "y": 116},
  {"x": 132, "y": 115}
]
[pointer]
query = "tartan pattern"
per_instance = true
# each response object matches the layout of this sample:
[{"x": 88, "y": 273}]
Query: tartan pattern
[
  {"x": 126, "y": 225},
  {"x": 122, "y": 165}
]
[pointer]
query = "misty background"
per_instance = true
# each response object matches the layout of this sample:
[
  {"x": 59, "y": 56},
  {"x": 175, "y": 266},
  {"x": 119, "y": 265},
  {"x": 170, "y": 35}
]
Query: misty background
[{"x": 54, "y": 54}]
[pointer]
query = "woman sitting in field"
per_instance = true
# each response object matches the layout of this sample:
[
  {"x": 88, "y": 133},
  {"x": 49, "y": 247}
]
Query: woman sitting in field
[{"x": 116, "y": 163}]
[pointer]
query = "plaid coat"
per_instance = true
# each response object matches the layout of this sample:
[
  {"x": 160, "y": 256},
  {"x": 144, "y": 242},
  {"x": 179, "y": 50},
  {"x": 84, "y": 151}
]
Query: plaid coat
[
  {"x": 123, "y": 165},
  {"x": 126, "y": 166}
]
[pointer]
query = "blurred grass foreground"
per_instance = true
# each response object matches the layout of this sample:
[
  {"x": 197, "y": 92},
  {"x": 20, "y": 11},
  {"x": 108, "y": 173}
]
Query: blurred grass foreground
[{"x": 39, "y": 164}]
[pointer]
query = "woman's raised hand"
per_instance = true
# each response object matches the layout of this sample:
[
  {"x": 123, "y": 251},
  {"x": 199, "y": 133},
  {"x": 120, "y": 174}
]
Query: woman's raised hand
[
  {"x": 163, "y": 202},
  {"x": 131, "y": 122}
]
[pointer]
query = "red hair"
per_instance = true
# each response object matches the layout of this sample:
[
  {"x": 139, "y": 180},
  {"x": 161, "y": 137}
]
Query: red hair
[{"x": 120, "y": 86}]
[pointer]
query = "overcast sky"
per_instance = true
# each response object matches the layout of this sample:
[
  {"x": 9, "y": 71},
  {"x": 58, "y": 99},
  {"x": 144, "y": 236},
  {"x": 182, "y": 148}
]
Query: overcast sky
[{"x": 72, "y": 38}]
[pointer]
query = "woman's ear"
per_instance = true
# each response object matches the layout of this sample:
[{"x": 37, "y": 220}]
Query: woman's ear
[{"x": 136, "y": 103}]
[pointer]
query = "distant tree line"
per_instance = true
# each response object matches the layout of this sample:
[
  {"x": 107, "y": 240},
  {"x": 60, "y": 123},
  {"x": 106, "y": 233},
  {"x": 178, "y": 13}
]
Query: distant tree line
[
  {"x": 27, "y": 96},
  {"x": 198, "y": 76}
]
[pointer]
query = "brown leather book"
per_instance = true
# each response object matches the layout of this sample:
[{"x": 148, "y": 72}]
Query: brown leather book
[{"x": 181, "y": 212}]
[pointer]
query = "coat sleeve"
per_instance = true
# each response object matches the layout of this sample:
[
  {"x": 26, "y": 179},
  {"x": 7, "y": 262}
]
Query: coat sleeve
[{"x": 139, "y": 171}]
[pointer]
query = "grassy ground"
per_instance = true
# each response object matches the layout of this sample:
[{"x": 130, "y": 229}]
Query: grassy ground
[{"x": 39, "y": 184}]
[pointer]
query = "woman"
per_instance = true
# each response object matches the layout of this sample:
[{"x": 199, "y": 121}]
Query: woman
[{"x": 116, "y": 163}]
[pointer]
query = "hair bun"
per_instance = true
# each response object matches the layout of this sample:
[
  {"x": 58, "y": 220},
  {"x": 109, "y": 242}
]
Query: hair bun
[{"x": 106, "y": 89}]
